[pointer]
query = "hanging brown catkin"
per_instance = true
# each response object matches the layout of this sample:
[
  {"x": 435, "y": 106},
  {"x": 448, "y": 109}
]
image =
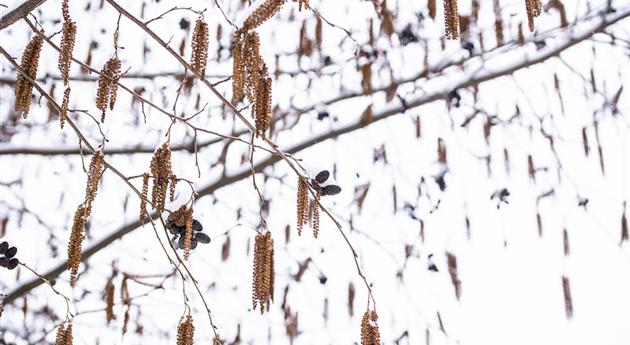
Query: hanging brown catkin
[
  {"x": 199, "y": 57},
  {"x": 23, "y": 87},
  {"x": 74, "y": 245},
  {"x": 451, "y": 19},
  {"x": 69, "y": 33},
  {"x": 261, "y": 14},
  {"x": 263, "y": 272}
]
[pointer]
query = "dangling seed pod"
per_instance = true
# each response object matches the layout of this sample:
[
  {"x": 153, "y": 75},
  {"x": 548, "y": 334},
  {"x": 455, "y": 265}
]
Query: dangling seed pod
[
  {"x": 64, "y": 335},
  {"x": 315, "y": 213},
  {"x": 262, "y": 108},
  {"x": 23, "y": 87},
  {"x": 186, "y": 331},
  {"x": 74, "y": 245},
  {"x": 69, "y": 33},
  {"x": 534, "y": 9},
  {"x": 451, "y": 19},
  {"x": 302, "y": 205},
  {"x": 144, "y": 215},
  {"x": 94, "y": 176},
  {"x": 64, "y": 107},
  {"x": 370, "y": 334},
  {"x": 432, "y": 8},
  {"x": 200, "y": 48},
  {"x": 109, "y": 301},
  {"x": 238, "y": 68},
  {"x": 161, "y": 171},
  {"x": 261, "y": 14},
  {"x": 108, "y": 86},
  {"x": 263, "y": 272}
]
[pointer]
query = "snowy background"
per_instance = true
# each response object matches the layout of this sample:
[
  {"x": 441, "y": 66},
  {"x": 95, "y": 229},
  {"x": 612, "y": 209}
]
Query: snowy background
[{"x": 511, "y": 278}]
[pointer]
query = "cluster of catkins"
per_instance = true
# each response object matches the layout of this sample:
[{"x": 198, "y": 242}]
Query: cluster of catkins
[
  {"x": 306, "y": 210},
  {"x": 186, "y": 231}
]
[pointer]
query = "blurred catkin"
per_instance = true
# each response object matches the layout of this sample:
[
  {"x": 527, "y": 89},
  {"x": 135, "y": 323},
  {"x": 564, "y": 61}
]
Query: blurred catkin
[
  {"x": 451, "y": 19},
  {"x": 200, "y": 47},
  {"x": 143, "y": 198},
  {"x": 64, "y": 107},
  {"x": 262, "y": 108},
  {"x": 94, "y": 176},
  {"x": 533, "y": 8},
  {"x": 108, "y": 86},
  {"x": 263, "y": 272},
  {"x": 69, "y": 33},
  {"x": 370, "y": 334},
  {"x": 302, "y": 205},
  {"x": 261, "y": 14},
  {"x": 23, "y": 87},
  {"x": 186, "y": 331},
  {"x": 74, "y": 245},
  {"x": 109, "y": 301},
  {"x": 64, "y": 335},
  {"x": 315, "y": 208},
  {"x": 161, "y": 171}
]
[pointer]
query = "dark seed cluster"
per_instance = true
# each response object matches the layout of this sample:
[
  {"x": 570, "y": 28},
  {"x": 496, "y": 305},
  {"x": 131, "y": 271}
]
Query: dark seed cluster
[
  {"x": 198, "y": 236},
  {"x": 8, "y": 259},
  {"x": 331, "y": 189}
]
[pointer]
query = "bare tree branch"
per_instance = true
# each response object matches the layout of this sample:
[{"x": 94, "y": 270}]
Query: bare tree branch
[
  {"x": 580, "y": 34},
  {"x": 19, "y": 13}
]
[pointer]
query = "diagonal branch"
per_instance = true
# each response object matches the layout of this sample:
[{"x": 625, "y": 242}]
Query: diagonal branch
[
  {"x": 594, "y": 26},
  {"x": 19, "y": 13}
]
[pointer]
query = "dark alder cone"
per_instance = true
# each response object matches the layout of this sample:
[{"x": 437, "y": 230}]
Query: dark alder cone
[
  {"x": 23, "y": 87},
  {"x": 322, "y": 176},
  {"x": 200, "y": 47},
  {"x": 331, "y": 190}
]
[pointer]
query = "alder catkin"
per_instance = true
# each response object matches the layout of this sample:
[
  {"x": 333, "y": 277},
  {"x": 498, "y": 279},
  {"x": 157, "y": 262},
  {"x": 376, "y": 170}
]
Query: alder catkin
[
  {"x": 451, "y": 19},
  {"x": 263, "y": 272},
  {"x": 109, "y": 301},
  {"x": 64, "y": 107},
  {"x": 432, "y": 8},
  {"x": 69, "y": 33},
  {"x": 238, "y": 72},
  {"x": 188, "y": 234},
  {"x": 74, "y": 245},
  {"x": 262, "y": 107},
  {"x": 534, "y": 9},
  {"x": 186, "y": 331},
  {"x": 64, "y": 335},
  {"x": 161, "y": 171},
  {"x": 315, "y": 208},
  {"x": 302, "y": 205},
  {"x": 108, "y": 86},
  {"x": 143, "y": 198},
  {"x": 261, "y": 14},
  {"x": 29, "y": 63},
  {"x": 94, "y": 176},
  {"x": 199, "y": 57},
  {"x": 370, "y": 334}
]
